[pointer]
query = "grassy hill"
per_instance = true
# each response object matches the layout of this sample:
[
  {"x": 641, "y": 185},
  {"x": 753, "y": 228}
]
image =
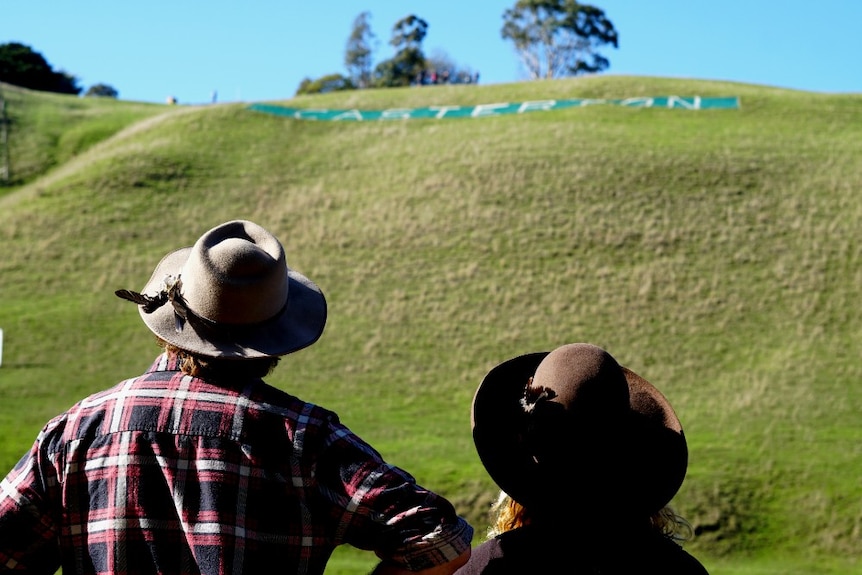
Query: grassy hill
[{"x": 718, "y": 253}]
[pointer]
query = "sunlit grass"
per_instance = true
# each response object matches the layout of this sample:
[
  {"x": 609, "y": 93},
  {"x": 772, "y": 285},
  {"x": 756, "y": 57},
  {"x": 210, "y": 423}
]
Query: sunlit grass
[{"x": 717, "y": 253}]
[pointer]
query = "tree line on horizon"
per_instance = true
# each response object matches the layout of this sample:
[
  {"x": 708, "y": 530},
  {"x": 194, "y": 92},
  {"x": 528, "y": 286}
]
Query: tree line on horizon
[
  {"x": 22, "y": 66},
  {"x": 552, "y": 38}
]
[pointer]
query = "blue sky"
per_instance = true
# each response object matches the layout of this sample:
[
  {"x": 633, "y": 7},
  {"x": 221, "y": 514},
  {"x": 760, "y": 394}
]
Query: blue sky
[{"x": 260, "y": 50}]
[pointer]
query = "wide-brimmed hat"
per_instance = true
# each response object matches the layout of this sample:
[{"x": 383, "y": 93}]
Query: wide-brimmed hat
[
  {"x": 573, "y": 428},
  {"x": 232, "y": 295}
]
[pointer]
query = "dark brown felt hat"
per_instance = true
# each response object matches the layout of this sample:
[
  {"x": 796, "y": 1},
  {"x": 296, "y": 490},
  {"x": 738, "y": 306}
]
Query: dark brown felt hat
[
  {"x": 573, "y": 428},
  {"x": 232, "y": 295}
]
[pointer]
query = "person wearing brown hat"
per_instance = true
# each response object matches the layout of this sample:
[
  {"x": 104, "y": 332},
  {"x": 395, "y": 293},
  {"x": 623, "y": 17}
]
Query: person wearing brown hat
[
  {"x": 587, "y": 455},
  {"x": 198, "y": 465}
]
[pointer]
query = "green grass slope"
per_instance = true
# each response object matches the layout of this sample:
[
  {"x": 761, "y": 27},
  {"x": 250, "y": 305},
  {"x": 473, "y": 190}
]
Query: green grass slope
[
  {"x": 46, "y": 130},
  {"x": 716, "y": 253}
]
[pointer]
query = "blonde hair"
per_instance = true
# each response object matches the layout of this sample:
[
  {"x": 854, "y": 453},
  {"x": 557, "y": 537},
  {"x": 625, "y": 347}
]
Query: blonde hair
[{"x": 509, "y": 514}]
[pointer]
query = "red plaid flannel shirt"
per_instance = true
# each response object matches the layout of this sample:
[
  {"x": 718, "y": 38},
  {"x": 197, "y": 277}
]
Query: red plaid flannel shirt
[{"x": 166, "y": 473}]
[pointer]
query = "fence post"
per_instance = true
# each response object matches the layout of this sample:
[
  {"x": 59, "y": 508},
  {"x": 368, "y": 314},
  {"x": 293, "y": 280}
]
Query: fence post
[{"x": 4, "y": 143}]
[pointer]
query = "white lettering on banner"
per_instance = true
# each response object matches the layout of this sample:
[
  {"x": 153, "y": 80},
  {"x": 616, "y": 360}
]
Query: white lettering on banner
[
  {"x": 487, "y": 110},
  {"x": 672, "y": 102},
  {"x": 442, "y": 110},
  {"x": 348, "y": 115},
  {"x": 645, "y": 102},
  {"x": 590, "y": 102},
  {"x": 395, "y": 114},
  {"x": 537, "y": 105},
  {"x": 490, "y": 110}
]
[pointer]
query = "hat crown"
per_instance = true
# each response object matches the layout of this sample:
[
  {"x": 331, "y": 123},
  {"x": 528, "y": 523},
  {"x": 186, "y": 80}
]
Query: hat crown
[
  {"x": 236, "y": 274},
  {"x": 232, "y": 295},
  {"x": 585, "y": 380},
  {"x": 580, "y": 415}
]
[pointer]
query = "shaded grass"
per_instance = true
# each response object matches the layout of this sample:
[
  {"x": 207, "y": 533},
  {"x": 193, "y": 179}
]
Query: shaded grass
[{"x": 717, "y": 253}]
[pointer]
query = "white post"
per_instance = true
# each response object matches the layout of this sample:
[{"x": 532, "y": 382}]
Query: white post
[{"x": 1, "y": 346}]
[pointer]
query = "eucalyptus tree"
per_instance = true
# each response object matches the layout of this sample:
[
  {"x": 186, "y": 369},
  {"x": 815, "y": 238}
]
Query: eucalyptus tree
[
  {"x": 359, "y": 55},
  {"x": 409, "y": 60},
  {"x": 559, "y": 37}
]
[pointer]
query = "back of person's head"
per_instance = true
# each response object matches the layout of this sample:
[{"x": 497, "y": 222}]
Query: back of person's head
[
  {"x": 219, "y": 370},
  {"x": 572, "y": 434},
  {"x": 231, "y": 296}
]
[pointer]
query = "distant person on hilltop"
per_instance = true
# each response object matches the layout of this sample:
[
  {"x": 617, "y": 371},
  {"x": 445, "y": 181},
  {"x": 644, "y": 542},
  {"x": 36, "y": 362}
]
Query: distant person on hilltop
[
  {"x": 198, "y": 465},
  {"x": 588, "y": 455}
]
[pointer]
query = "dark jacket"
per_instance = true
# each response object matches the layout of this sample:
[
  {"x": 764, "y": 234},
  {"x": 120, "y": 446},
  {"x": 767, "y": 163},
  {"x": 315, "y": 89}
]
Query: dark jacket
[{"x": 534, "y": 550}]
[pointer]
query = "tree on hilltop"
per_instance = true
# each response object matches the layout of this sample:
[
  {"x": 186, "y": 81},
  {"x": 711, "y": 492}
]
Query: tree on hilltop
[
  {"x": 21, "y": 66},
  {"x": 102, "y": 91},
  {"x": 359, "y": 55},
  {"x": 325, "y": 84},
  {"x": 408, "y": 66},
  {"x": 558, "y": 37},
  {"x": 357, "y": 59},
  {"x": 409, "y": 61}
]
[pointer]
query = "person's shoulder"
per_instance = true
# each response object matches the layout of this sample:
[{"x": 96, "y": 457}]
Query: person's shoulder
[
  {"x": 284, "y": 404},
  {"x": 532, "y": 550},
  {"x": 513, "y": 552},
  {"x": 85, "y": 413},
  {"x": 688, "y": 564},
  {"x": 671, "y": 558},
  {"x": 481, "y": 556}
]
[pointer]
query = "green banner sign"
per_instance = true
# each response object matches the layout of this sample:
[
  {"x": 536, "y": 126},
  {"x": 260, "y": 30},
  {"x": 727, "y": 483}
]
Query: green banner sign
[{"x": 485, "y": 110}]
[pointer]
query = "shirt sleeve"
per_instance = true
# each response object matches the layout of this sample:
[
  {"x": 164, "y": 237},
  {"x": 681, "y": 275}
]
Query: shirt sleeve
[
  {"x": 28, "y": 531},
  {"x": 383, "y": 508}
]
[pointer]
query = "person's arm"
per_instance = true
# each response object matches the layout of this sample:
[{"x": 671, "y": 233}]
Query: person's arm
[
  {"x": 408, "y": 527},
  {"x": 391, "y": 568},
  {"x": 28, "y": 534}
]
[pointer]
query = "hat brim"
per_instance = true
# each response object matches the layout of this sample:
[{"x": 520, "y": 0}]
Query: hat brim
[
  {"x": 656, "y": 449},
  {"x": 299, "y": 324}
]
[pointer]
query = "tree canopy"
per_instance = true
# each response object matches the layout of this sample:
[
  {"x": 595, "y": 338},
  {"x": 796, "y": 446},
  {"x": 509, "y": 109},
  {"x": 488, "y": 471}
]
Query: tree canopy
[
  {"x": 559, "y": 37},
  {"x": 21, "y": 66},
  {"x": 325, "y": 84},
  {"x": 102, "y": 91},
  {"x": 409, "y": 60},
  {"x": 407, "y": 67},
  {"x": 359, "y": 55}
]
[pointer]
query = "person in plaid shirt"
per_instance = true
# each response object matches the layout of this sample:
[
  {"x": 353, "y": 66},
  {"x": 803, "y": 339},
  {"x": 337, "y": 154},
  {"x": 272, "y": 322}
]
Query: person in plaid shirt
[{"x": 198, "y": 465}]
